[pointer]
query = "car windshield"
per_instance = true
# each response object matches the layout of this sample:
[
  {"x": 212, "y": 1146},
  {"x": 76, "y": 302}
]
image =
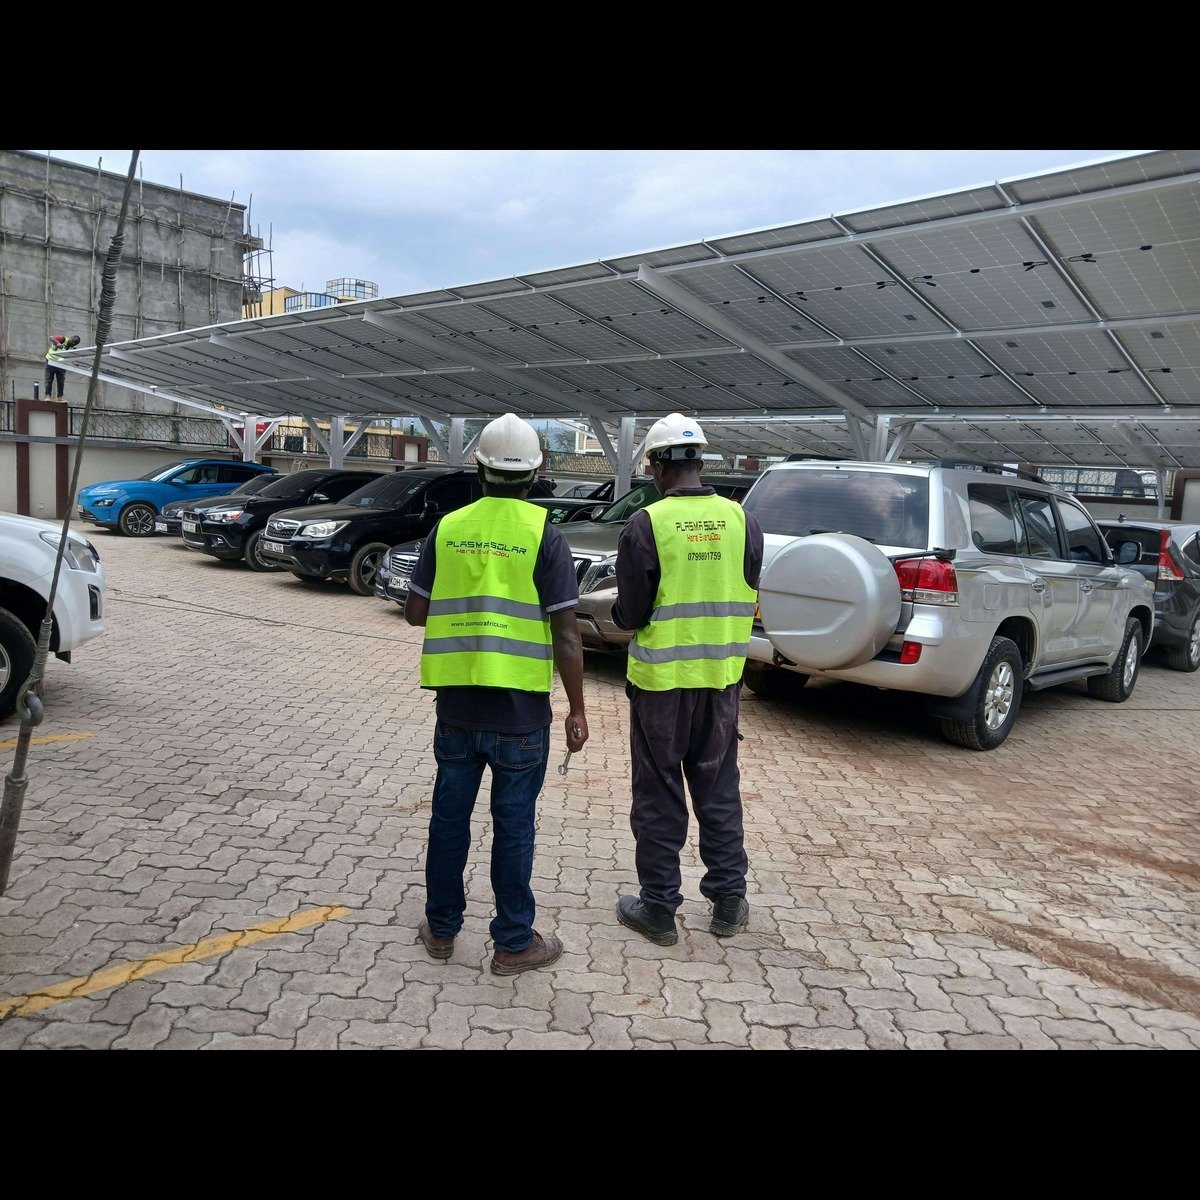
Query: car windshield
[
  {"x": 161, "y": 473},
  {"x": 891, "y": 510},
  {"x": 255, "y": 485},
  {"x": 385, "y": 492},
  {"x": 291, "y": 487}
]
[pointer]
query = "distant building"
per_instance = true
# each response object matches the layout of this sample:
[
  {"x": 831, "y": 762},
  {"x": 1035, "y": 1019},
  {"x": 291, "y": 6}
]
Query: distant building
[
  {"x": 267, "y": 304},
  {"x": 182, "y": 266},
  {"x": 337, "y": 291}
]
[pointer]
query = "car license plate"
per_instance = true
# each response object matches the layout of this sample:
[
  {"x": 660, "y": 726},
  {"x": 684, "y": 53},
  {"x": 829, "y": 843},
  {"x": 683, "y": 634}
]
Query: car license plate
[
  {"x": 274, "y": 547},
  {"x": 160, "y": 527},
  {"x": 189, "y": 526}
]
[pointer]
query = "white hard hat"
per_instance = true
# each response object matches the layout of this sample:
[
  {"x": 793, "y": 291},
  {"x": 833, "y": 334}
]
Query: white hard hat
[
  {"x": 510, "y": 445},
  {"x": 679, "y": 435}
]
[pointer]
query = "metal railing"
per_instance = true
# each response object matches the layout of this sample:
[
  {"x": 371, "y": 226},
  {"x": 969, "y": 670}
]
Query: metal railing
[
  {"x": 208, "y": 433},
  {"x": 1114, "y": 483}
]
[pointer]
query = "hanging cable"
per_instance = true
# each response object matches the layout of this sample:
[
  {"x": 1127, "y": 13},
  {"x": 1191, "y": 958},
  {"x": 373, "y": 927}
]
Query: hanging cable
[{"x": 29, "y": 699}]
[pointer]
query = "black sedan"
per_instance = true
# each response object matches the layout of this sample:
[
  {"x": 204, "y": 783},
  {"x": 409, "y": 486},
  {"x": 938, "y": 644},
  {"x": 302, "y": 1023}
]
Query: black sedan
[{"x": 1170, "y": 559}]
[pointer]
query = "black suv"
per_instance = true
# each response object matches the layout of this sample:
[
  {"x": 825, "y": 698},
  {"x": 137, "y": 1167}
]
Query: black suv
[
  {"x": 347, "y": 540},
  {"x": 235, "y": 529}
]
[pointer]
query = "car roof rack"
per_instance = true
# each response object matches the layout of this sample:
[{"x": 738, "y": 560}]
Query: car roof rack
[{"x": 971, "y": 464}]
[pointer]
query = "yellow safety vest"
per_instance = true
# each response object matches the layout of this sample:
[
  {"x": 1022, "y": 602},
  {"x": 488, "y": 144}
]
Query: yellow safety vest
[
  {"x": 53, "y": 353},
  {"x": 486, "y": 626},
  {"x": 699, "y": 629}
]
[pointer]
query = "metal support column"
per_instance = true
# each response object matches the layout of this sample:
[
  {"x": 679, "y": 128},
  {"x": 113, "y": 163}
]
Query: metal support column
[
  {"x": 624, "y": 456},
  {"x": 879, "y": 438},
  {"x": 454, "y": 443},
  {"x": 251, "y": 442},
  {"x": 337, "y": 442},
  {"x": 1161, "y": 483}
]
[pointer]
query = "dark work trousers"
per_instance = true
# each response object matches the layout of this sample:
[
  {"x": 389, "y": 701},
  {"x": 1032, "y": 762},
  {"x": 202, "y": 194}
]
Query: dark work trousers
[{"x": 686, "y": 733}]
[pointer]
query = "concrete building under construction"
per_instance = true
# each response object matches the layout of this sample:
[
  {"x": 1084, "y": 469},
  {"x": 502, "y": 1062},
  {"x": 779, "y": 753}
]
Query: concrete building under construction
[{"x": 187, "y": 262}]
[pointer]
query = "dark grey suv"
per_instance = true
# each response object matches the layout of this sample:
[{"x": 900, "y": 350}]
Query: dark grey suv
[{"x": 1170, "y": 559}]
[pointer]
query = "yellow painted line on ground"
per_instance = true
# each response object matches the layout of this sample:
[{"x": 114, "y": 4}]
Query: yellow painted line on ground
[
  {"x": 54, "y": 737},
  {"x": 110, "y": 977}
]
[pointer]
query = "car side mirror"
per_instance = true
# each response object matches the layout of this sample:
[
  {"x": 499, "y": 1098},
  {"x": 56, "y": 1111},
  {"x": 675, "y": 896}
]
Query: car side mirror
[
  {"x": 177, "y": 481},
  {"x": 430, "y": 509},
  {"x": 1128, "y": 552},
  {"x": 318, "y": 498},
  {"x": 597, "y": 511}
]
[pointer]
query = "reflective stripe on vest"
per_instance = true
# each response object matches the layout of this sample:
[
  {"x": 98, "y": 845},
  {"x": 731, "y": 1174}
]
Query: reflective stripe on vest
[
  {"x": 486, "y": 626},
  {"x": 52, "y": 355},
  {"x": 699, "y": 628}
]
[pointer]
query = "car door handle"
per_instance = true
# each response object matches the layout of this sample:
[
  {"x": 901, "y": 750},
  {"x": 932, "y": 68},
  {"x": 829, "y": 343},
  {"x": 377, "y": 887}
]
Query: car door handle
[
  {"x": 1085, "y": 587},
  {"x": 1038, "y": 585}
]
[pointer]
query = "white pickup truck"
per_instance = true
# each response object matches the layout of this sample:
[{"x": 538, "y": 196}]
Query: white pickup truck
[{"x": 28, "y": 548}]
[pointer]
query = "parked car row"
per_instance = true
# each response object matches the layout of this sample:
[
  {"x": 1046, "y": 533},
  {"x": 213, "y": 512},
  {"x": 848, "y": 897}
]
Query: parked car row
[{"x": 963, "y": 584}]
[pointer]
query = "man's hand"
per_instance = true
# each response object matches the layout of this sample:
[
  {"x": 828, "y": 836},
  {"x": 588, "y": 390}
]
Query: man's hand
[{"x": 577, "y": 731}]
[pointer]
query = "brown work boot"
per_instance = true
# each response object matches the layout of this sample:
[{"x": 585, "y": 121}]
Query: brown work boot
[
  {"x": 438, "y": 947},
  {"x": 541, "y": 952}
]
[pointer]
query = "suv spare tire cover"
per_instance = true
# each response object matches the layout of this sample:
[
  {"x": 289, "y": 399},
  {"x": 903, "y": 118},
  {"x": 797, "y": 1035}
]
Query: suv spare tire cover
[{"x": 829, "y": 601}]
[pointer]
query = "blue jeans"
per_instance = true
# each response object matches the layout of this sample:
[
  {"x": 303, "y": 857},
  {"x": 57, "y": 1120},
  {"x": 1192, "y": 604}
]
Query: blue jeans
[{"x": 518, "y": 763}]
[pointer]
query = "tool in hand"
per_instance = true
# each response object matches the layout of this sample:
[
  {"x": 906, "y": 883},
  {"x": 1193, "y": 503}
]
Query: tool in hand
[{"x": 562, "y": 767}]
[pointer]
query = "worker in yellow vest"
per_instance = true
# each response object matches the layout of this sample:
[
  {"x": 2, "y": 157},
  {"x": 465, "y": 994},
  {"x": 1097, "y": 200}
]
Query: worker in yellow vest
[
  {"x": 687, "y": 577},
  {"x": 495, "y": 588},
  {"x": 55, "y": 373}
]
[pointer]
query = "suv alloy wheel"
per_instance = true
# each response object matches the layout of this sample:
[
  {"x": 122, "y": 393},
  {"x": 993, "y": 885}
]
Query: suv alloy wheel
[
  {"x": 137, "y": 519},
  {"x": 1117, "y": 686},
  {"x": 364, "y": 565},
  {"x": 17, "y": 652},
  {"x": 254, "y": 559},
  {"x": 1187, "y": 656},
  {"x": 999, "y": 687}
]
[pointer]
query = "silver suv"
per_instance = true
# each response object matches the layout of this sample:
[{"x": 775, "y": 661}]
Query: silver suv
[{"x": 966, "y": 583}]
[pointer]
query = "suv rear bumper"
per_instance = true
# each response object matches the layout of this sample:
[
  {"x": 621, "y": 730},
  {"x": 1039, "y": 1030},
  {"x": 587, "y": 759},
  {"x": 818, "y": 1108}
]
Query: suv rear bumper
[{"x": 950, "y": 657}]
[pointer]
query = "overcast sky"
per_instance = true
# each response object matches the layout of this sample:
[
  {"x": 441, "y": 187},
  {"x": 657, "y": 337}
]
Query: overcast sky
[{"x": 413, "y": 220}]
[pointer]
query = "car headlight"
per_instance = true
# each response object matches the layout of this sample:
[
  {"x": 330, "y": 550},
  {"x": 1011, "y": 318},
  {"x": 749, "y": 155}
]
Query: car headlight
[
  {"x": 321, "y": 529},
  {"x": 601, "y": 575},
  {"x": 79, "y": 555},
  {"x": 222, "y": 516},
  {"x": 104, "y": 503}
]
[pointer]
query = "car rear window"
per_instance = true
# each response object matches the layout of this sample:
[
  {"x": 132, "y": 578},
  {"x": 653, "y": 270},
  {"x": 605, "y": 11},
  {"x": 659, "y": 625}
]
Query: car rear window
[
  {"x": 891, "y": 510},
  {"x": 1150, "y": 540}
]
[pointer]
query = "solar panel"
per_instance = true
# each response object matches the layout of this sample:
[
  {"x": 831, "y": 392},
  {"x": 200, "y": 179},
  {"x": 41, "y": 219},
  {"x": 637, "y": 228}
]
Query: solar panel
[{"x": 882, "y": 321}]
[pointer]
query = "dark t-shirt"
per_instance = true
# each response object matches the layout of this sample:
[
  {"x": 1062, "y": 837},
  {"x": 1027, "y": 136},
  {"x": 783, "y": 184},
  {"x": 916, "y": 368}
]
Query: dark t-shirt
[{"x": 505, "y": 710}]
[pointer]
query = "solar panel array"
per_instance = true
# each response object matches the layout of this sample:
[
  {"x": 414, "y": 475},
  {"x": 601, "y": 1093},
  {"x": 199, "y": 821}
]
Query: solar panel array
[{"x": 1069, "y": 294}]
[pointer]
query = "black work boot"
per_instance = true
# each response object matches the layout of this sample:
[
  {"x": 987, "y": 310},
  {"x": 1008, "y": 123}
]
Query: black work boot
[
  {"x": 651, "y": 921},
  {"x": 730, "y": 914}
]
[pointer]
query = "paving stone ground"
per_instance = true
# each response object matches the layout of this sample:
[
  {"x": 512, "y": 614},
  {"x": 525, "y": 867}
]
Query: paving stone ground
[{"x": 261, "y": 748}]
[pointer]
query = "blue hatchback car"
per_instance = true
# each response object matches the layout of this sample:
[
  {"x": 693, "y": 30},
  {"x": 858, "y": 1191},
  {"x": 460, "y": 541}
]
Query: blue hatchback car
[{"x": 130, "y": 505}]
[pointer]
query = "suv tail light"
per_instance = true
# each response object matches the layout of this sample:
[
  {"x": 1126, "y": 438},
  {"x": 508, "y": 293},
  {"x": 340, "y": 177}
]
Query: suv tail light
[
  {"x": 927, "y": 581},
  {"x": 1168, "y": 568}
]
